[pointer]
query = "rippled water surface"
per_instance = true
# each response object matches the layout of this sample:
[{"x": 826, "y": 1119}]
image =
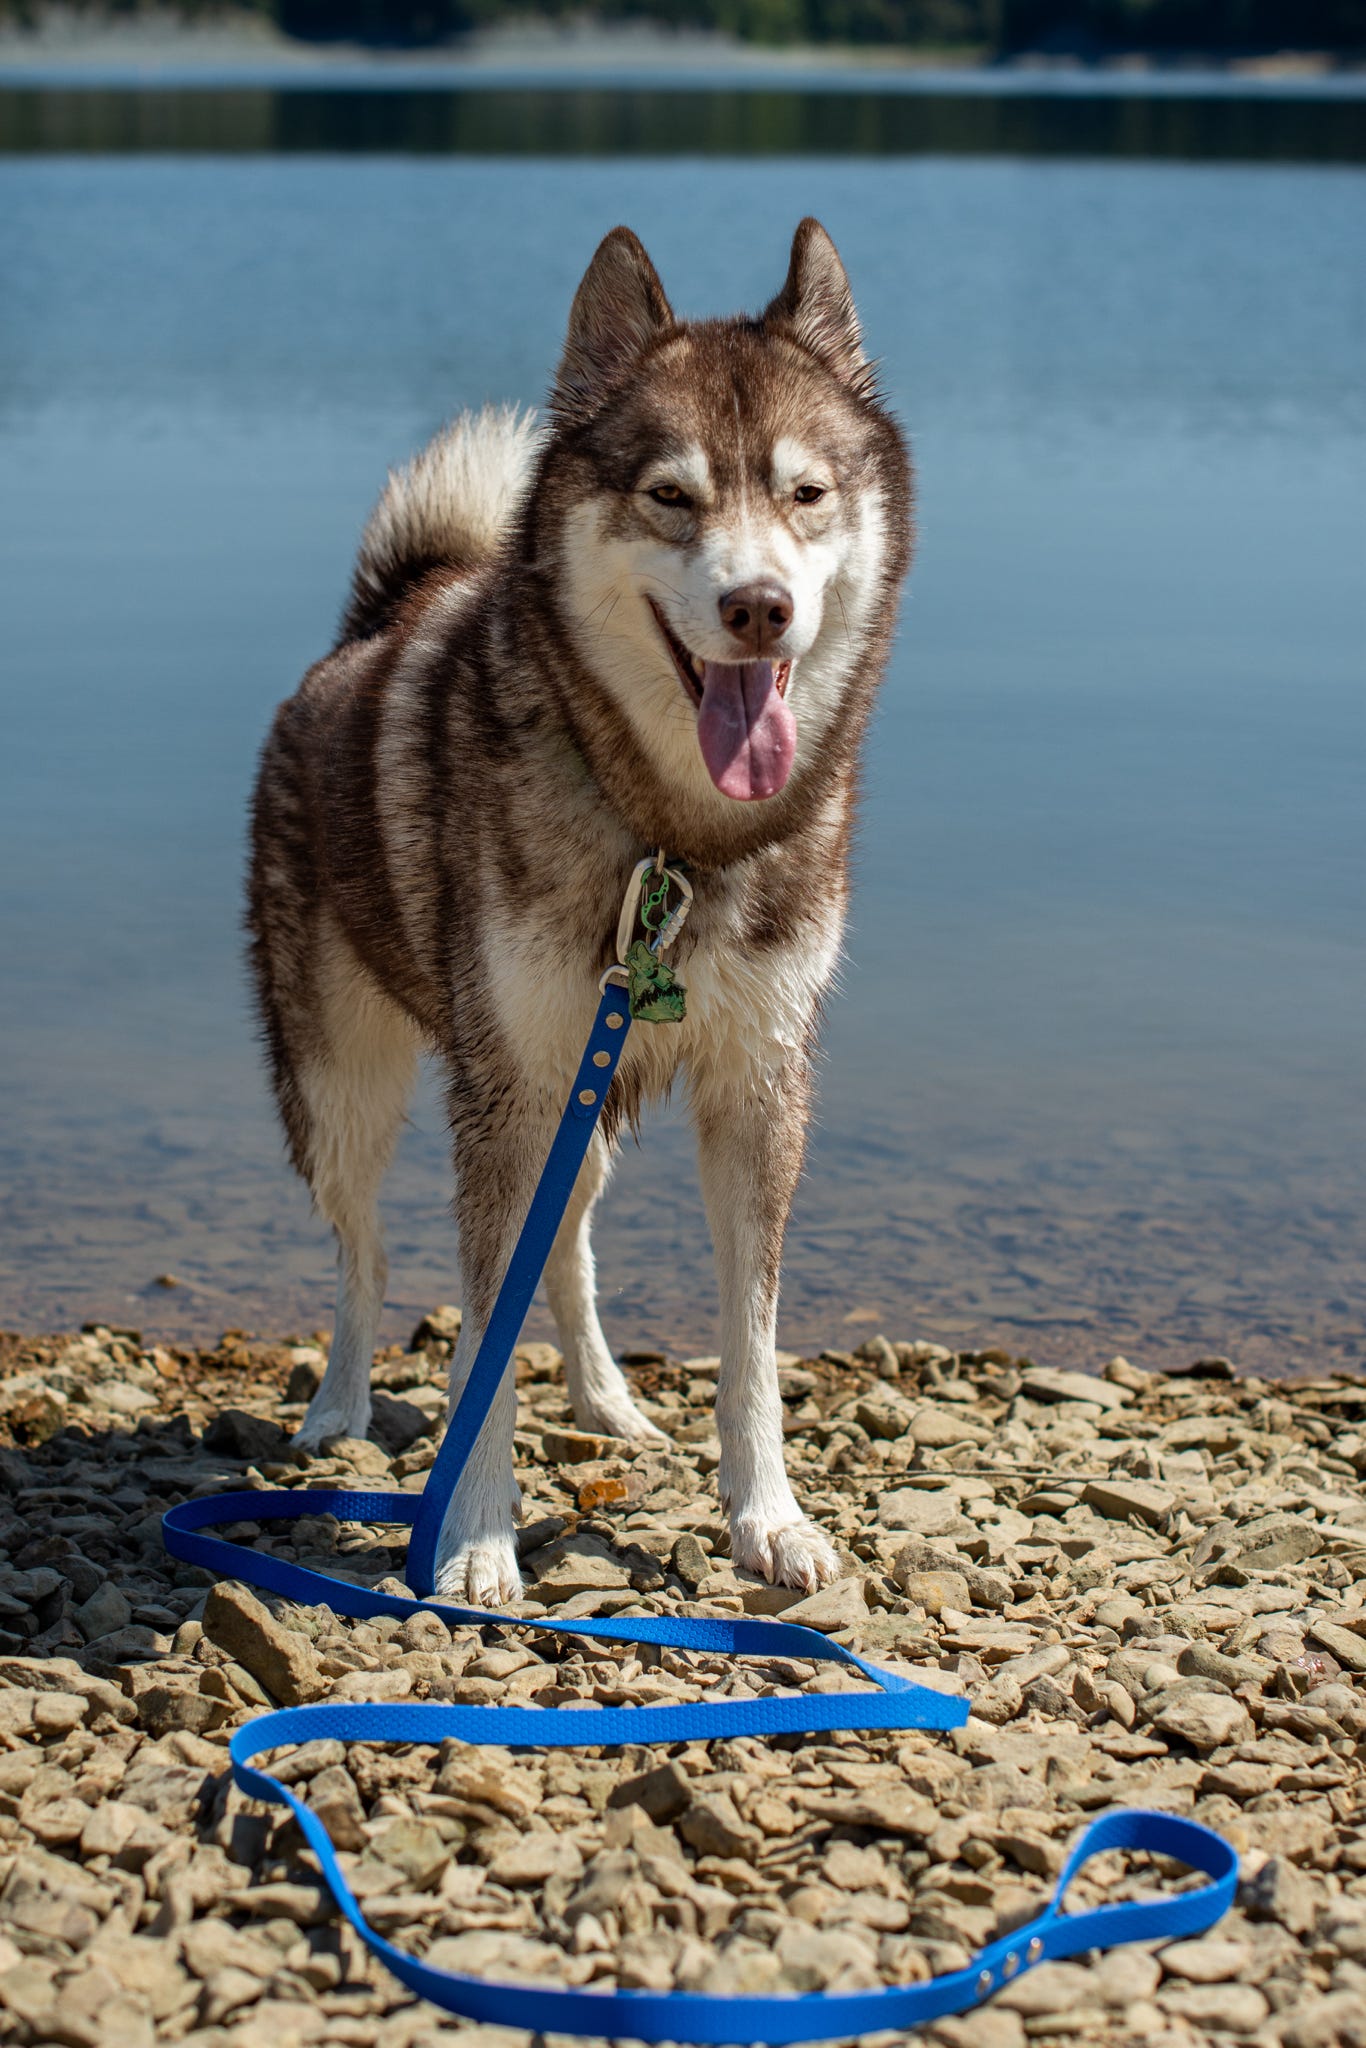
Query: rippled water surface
[{"x": 1094, "y": 1079}]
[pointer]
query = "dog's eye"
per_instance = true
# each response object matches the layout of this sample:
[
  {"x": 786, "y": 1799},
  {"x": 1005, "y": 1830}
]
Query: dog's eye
[
  {"x": 808, "y": 494},
  {"x": 668, "y": 494}
]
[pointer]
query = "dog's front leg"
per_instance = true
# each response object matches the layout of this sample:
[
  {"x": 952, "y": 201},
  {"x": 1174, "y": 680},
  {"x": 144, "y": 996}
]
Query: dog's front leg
[
  {"x": 750, "y": 1140},
  {"x": 499, "y": 1156}
]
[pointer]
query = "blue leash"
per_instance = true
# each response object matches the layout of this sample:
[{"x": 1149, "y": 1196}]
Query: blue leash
[{"x": 898, "y": 1703}]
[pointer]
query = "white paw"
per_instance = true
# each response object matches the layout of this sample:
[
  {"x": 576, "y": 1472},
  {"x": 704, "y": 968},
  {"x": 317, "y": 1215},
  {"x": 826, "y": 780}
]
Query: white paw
[
  {"x": 333, "y": 1420},
  {"x": 480, "y": 1573},
  {"x": 795, "y": 1554}
]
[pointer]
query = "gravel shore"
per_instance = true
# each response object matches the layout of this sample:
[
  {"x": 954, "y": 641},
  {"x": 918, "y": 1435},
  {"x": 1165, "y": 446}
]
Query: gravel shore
[{"x": 1153, "y": 1589}]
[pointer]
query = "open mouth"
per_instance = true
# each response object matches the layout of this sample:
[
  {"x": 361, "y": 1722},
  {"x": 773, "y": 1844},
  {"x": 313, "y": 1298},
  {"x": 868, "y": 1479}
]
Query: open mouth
[{"x": 745, "y": 726}]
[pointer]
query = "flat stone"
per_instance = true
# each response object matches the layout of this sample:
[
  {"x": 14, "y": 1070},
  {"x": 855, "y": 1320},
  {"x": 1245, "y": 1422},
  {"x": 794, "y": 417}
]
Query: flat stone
[
  {"x": 1121, "y": 1976},
  {"x": 986, "y": 1589},
  {"x": 576, "y": 1565},
  {"x": 235, "y": 1434},
  {"x": 1202, "y": 1660},
  {"x": 397, "y": 1424},
  {"x": 170, "y": 1791},
  {"x": 212, "y": 1945},
  {"x": 934, "y": 1591},
  {"x": 662, "y": 1793},
  {"x": 119, "y": 1655},
  {"x": 760, "y": 1597},
  {"x": 1282, "y": 1893},
  {"x": 1270, "y": 1541},
  {"x": 1342, "y": 1643},
  {"x": 533, "y": 1858},
  {"x": 333, "y": 1797},
  {"x": 1044, "y": 1662},
  {"x": 919, "y": 1510},
  {"x": 578, "y": 1447},
  {"x": 1242, "y": 1780},
  {"x": 841, "y": 1605},
  {"x": 109, "y": 1826},
  {"x": 714, "y": 1827},
  {"x": 1333, "y": 2021},
  {"x": 1206, "y": 1720},
  {"x": 121, "y": 1397},
  {"x": 228, "y": 1992},
  {"x": 826, "y": 1958},
  {"x": 393, "y": 1683},
  {"x": 58, "y": 1713},
  {"x": 180, "y": 1705},
  {"x": 438, "y": 1329},
  {"x": 145, "y": 1966},
  {"x": 1048, "y": 1988},
  {"x": 883, "y": 1417},
  {"x": 1044, "y": 1383},
  {"x": 690, "y": 1561},
  {"x": 486, "y": 1952},
  {"x": 1118, "y": 1499},
  {"x": 282, "y": 1660},
  {"x": 307, "y": 1760},
  {"x": 306, "y": 1905},
  {"x": 1343, "y": 1928},
  {"x": 359, "y": 1455},
  {"x": 1224, "y": 2008},
  {"x": 891, "y": 1807},
  {"x": 61, "y": 1674},
  {"x": 936, "y": 1428},
  {"x": 488, "y": 1777},
  {"x": 1047, "y": 1500},
  {"x": 58, "y": 1822},
  {"x": 105, "y": 1611},
  {"x": 1207, "y": 1961},
  {"x": 416, "y": 1849}
]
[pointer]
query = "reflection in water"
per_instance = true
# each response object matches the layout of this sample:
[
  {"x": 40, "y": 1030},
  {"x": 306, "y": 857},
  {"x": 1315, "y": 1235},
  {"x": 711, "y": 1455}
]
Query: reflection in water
[
  {"x": 558, "y": 121},
  {"x": 1094, "y": 1082}
]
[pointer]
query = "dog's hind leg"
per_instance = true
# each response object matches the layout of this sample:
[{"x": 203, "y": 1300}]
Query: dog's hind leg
[
  {"x": 598, "y": 1392},
  {"x": 353, "y": 1086}
]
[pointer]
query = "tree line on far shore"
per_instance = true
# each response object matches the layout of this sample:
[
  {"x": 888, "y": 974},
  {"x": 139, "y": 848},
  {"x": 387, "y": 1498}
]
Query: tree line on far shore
[{"x": 986, "y": 28}]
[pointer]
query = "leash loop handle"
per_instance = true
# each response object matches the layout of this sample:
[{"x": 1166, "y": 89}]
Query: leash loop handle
[{"x": 686, "y": 2016}]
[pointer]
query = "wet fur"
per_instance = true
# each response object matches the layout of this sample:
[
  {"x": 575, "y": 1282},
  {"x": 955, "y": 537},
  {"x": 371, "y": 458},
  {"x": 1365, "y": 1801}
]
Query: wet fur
[{"x": 448, "y": 809}]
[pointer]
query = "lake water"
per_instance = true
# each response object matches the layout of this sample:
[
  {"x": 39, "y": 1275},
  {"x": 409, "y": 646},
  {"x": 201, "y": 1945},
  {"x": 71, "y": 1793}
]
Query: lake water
[{"x": 1095, "y": 1078}]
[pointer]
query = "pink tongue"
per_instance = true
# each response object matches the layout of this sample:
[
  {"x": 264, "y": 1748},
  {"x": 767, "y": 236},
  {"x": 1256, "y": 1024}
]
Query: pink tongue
[{"x": 747, "y": 734}]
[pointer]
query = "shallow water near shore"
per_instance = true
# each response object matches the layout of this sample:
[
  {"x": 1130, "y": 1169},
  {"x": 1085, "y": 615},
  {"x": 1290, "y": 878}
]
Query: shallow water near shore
[{"x": 1094, "y": 1076}]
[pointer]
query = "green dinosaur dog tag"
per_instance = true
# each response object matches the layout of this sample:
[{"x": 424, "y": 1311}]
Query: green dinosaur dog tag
[{"x": 653, "y": 991}]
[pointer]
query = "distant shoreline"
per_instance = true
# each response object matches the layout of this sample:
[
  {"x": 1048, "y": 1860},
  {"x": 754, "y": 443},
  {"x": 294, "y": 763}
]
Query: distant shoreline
[{"x": 147, "y": 52}]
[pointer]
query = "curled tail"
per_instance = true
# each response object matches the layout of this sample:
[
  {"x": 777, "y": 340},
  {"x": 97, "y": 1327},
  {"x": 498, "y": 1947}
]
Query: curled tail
[{"x": 447, "y": 508}]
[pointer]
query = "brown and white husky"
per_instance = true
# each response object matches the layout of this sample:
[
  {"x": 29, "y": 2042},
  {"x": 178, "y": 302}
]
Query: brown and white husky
[{"x": 657, "y": 621}]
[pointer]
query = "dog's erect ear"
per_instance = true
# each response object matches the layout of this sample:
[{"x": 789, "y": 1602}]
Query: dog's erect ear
[
  {"x": 816, "y": 307},
  {"x": 618, "y": 310}
]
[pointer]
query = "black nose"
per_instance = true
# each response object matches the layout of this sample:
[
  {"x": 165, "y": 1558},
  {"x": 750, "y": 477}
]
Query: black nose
[{"x": 756, "y": 615}]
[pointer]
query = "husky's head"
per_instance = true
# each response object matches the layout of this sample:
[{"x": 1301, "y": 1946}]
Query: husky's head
[{"x": 728, "y": 515}]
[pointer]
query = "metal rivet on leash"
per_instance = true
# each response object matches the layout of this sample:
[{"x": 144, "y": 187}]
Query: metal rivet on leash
[{"x": 673, "y": 2016}]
